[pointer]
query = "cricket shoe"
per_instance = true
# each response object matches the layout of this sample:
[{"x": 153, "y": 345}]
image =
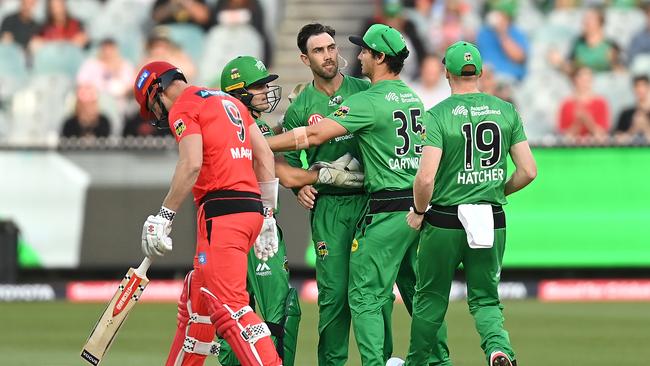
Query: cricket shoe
[
  {"x": 498, "y": 358},
  {"x": 395, "y": 361}
]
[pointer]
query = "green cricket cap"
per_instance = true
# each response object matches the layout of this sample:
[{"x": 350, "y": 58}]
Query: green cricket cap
[
  {"x": 461, "y": 54},
  {"x": 381, "y": 38},
  {"x": 243, "y": 72}
]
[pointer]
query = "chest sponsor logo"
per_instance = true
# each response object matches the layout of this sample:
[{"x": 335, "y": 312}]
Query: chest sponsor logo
[
  {"x": 179, "y": 127},
  {"x": 392, "y": 97},
  {"x": 459, "y": 110},
  {"x": 263, "y": 269},
  {"x": 314, "y": 119},
  {"x": 342, "y": 111}
]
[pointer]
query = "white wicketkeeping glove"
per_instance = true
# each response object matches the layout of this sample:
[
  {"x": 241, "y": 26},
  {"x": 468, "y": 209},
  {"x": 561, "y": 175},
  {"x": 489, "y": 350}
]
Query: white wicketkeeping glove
[
  {"x": 155, "y": 233},
  {"x": 266, "y": 244},
  {"x": 342, "y": 172}
]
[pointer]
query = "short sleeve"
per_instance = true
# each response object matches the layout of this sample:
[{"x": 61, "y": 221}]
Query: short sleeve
[
  {"x": 433, "y": 130},
  {"x": 355, "y": 114},
  {"x": 518, "y": 133},
  {"x": 182, "y": 124}
]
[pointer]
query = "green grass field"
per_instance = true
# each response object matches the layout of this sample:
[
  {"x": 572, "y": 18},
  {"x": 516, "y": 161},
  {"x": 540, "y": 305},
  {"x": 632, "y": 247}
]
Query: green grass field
[{"x": 571, "y": 334}]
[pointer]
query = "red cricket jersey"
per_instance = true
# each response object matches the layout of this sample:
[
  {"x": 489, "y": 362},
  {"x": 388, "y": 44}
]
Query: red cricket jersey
[{"x": 222, "y": 121}]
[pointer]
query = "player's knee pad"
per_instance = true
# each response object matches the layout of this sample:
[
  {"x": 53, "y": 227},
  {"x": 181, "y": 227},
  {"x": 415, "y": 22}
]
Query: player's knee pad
[
  {"x": 191, "y": 342},
  {"x": 246, "y": 334}
]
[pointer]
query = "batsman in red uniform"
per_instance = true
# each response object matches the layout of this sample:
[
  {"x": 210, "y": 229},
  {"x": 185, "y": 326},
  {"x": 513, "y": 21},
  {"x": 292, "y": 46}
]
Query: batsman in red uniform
[{"x": 226, "y": 163}]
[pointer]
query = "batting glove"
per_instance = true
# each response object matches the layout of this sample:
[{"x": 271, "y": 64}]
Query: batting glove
[{"x": 155, "y": 233}]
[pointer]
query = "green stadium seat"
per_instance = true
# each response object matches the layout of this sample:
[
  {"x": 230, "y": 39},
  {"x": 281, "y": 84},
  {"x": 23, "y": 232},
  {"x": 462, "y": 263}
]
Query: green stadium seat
[
  {"x": 58, "y": 58},
  {"x": 189, "y": 37}
]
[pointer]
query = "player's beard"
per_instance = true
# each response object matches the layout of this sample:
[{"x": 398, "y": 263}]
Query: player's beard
[{"x": 326, "y": 74}]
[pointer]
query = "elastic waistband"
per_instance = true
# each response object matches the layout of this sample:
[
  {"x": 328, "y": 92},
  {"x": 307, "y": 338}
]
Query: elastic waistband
[
  {"x": 219, "y": 203},
  {"x": 446, "y": 217},
  {"x": 390, "y": 201}
]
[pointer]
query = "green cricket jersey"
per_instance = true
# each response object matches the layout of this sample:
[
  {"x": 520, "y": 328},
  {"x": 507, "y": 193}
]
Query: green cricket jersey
[
  {"x": 309, "y": 108},
  {"x": 387, "y": 120},
  {"x": 475, "y": 133}
]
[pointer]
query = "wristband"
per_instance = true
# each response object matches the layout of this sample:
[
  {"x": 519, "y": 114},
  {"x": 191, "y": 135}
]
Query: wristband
[
  {"x": 415, "y": 210},
  {"x": 166, "y": 213}
]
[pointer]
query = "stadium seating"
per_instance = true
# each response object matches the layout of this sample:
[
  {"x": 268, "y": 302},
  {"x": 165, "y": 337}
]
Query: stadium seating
[
  {"x": 189, "y": 37},
  {"x": 622, "y": 24},
  {"x": 224, "y": 43},
  {"x": 13, "y": 71},
  {"x": 58, "y": 58},
  {"x": 84, "y": 10}
]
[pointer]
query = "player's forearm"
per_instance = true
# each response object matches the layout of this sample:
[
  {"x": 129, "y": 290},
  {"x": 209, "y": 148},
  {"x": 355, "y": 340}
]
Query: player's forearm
[
  {"x": 518, "y": 180},
  {"x": 184, "y": 178},
  {"x": 291, "y": 177},
  {"x": 422, "y": 191},
  {"x": 297, "y": 139}
]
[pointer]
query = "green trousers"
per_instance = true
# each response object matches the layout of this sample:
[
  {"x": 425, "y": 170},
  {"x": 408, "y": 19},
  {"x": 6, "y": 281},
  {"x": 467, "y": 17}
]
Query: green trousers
[
  {"x": 333, "y": 224},
  {"x": 442, "y": 248},
  {"x": 383, "y": 253},
  {"x": 276, "y": 301}
]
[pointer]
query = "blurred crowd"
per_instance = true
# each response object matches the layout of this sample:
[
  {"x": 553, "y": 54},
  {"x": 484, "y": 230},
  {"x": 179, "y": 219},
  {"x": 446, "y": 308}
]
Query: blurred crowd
[
  {"x": 67, "y": 66},
  {"x": 577, "y": 70},
  {"x": 574, "y": 69}
]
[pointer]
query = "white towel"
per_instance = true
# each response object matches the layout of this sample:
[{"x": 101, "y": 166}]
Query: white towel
[{"x": 478, "y": 223}]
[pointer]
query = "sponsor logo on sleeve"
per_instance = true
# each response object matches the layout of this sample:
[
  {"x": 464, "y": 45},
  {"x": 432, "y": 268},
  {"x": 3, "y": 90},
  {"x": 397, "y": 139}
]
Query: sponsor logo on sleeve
[
  {"x": 179, "y": 127},
  {"x": 321, "y": 250},
  {"x": 264, "y": 129},
  {"x": 314, "y": 119}
]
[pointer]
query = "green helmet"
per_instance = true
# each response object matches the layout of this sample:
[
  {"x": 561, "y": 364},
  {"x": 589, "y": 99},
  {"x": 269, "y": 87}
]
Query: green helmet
[{"x": 244, "y": 72}]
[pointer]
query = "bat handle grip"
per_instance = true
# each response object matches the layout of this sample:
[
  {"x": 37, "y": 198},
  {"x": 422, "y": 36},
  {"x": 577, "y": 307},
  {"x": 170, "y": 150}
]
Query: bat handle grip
[{"x": 144, "y": 266}]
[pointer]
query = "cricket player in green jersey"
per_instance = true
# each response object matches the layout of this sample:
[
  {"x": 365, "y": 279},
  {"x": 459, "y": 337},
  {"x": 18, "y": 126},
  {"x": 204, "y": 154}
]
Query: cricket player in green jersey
[
  {"x": 387, "y": 121},
  {"x": 468, "y": 138},
  {"x": 334, "y": 217},
  {"x": 247, "y": 79}
]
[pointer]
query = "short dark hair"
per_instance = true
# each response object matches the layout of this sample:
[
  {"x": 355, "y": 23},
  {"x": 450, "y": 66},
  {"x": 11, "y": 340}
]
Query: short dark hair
[
  {"x": 312, "y": 29},
  {"x": 394, "y": 63},
  {"x": 641, "y": 78}
]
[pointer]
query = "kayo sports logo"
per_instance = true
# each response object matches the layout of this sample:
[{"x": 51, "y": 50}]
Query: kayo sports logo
[{"x": 145, "y": 74}]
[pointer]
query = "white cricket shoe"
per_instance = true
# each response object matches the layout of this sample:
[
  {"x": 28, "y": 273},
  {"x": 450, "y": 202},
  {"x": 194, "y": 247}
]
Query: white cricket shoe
[{"x": 394, "y": 361}]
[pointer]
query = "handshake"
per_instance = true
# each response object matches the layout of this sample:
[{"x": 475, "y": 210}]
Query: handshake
[{"x": 342, "y": 172}]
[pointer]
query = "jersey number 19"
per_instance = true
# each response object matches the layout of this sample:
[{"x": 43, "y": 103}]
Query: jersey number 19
[{"x": 476, "y": 138}]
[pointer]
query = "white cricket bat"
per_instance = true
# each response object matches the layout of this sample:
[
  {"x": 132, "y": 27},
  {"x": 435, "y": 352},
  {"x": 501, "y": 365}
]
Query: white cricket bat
[{"x": 118, "y": 309}]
